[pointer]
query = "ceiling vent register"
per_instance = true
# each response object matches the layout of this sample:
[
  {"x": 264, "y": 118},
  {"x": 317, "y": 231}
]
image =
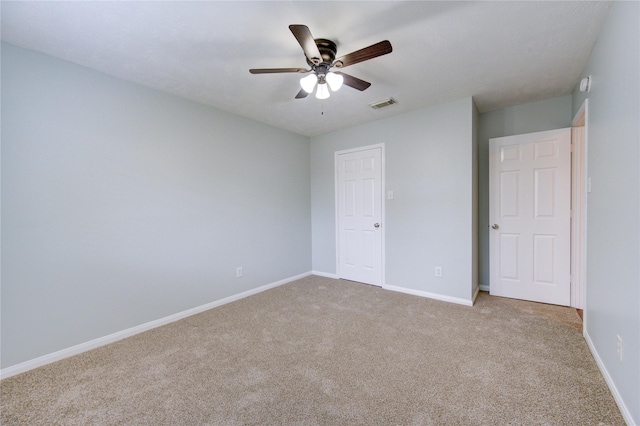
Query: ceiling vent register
[{"x": 383, "y": 104}]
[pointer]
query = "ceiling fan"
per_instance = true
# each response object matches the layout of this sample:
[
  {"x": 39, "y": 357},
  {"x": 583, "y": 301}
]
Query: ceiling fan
[{"x": 321, "y": 57}]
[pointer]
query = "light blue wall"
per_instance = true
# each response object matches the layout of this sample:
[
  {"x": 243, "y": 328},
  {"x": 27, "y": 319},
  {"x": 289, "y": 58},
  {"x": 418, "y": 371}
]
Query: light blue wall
[
  {"x": 475, "y": 200},
  {"x": 122, "y": 205},
  {"x": 613, "y": 206},
  {"x": 429, "y": 166},
  {"x": 532, "y": 117}
]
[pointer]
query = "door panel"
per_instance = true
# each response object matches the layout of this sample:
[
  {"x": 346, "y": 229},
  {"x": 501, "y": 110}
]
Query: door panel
[
  {"x": 543, "y": 259},
  {"x": 509, "y": 194},
  {"x": 530, "y": 202},
  {"x": 509, "y": 257},
  {"x": 544, "y": 193},
  {"x": 359, "y": 209}
]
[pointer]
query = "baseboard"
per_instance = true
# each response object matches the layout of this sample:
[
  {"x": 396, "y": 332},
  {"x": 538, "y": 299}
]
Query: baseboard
[
  {"x": 325, "y": 274},
  {"x": 105, "y": 340},
  {"x": 484, "y": 287},
  {"x": 428, "y": 295},
  {"x": 626, "y": 414}
]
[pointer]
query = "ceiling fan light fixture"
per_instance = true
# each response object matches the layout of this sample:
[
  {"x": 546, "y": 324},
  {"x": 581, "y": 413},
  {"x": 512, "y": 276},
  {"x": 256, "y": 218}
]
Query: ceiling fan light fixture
[
  {"x": 320, "y": 55},
  {"x": 308, "y": 83},
  {"x": 334, "y": 80},
  {"x": 323, "y": 91}
]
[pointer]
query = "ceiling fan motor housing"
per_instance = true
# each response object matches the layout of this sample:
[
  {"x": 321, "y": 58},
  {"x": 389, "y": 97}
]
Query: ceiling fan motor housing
[{"x": 328, "y": 51}]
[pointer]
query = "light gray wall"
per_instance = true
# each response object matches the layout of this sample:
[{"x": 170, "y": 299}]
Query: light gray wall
[
  {"x": 429, "y": 166},
  {"x": 613, "y": 206},
  {"x": 122, "y": 205},
  {"x": 532, "y": 117}
]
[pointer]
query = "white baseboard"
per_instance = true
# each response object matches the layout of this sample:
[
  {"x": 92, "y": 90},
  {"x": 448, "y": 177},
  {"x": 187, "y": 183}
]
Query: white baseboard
[
  {"x": 325, "y": 274},
  {"x": 484, "y": 287},
  {"x": 626, "y": 414},
  {"x": 426, "y": 294},
  {"x": 105, "y": 340}
]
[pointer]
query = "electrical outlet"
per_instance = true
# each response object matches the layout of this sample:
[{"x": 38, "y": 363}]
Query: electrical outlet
[
  {"x": 619, "y": 347},
  {"x": 238, "y": 271},
  {"x": 438, "y": 271}
]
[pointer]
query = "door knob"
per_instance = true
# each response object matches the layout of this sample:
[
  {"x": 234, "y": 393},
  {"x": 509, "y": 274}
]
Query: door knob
[
  {"x": 495, "y": 226},
  {"x": 377, "y": 225}
]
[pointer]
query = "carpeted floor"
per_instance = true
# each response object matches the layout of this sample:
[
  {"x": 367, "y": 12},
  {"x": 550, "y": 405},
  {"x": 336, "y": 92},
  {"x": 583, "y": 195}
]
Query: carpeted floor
[{"x": 321, "y": 351}]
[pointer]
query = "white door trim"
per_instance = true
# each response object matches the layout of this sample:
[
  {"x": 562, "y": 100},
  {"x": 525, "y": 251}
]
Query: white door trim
[
  {"x": 579, "y": 207},
  {"x": 382, "y": 198}
]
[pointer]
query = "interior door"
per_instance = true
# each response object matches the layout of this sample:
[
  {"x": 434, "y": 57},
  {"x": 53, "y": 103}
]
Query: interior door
[
  {"x": 359, "y": 214},
  {"x": 530, "y": 216}
]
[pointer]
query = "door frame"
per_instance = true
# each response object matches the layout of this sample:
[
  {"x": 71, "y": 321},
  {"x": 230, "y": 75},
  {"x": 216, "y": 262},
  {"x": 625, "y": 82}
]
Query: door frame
[
  {"x": 382, "y": 212},
  {"x": 579, "y": 137}
]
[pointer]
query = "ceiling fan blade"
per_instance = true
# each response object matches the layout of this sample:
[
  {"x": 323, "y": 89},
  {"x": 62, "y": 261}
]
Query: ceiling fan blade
[
  {"x": 276, "y": 70},
  {"x": 354, "y": 82},
  {"x": 365, "y": 54},
  {"x": 302, "y": 94},
  {"x": 308, "y": 44}
]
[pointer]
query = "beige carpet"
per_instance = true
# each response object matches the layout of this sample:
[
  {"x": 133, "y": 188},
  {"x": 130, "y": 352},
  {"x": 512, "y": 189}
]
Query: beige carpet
[{"x": 322, "y": 351}]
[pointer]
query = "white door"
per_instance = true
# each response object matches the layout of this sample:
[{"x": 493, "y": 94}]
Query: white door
[
  {"x": 529, "y": 211},
  {"x": 359, "y": 214}
]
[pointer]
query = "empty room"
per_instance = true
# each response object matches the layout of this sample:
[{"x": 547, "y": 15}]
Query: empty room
[{"x": 318, "y": 212}]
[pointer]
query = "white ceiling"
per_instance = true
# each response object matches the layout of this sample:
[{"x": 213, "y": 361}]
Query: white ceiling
[{"x": 501, "y": 53}]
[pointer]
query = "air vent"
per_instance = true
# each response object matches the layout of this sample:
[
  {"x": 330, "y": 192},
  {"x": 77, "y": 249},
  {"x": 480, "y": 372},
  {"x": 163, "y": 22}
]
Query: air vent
[{"x": 383, "y": 104}]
